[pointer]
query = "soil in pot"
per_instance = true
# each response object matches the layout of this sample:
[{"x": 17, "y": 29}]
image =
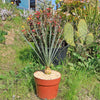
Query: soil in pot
[{"x": 47, "y": 85}]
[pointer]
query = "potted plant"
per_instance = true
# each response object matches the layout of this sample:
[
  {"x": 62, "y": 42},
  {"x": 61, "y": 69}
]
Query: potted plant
[{"x": 45, "y": 36}]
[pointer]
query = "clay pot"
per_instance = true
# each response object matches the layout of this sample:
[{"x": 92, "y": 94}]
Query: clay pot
[{"x": 47, "y": 89}]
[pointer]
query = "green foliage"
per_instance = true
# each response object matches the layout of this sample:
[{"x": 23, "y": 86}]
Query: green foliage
[
  {"x": 69, "y": 34},
  {"x": 7, "y": 27},
  {"x": 69, "y": 7},
  {"x": 57, "y": 1},
  {"x": 48, "y": 3},
  {"x": 90, "y": 63},
  {"x": 2, "y": 77},
  {"x": 92, "y": 16},
  {"x": 89, "y": 38},
  {"x": 2, "y": 38},
  {"x": 19, "y": 84},
  {"x": 82, "y": 30},
  {"x": 75, "y": 81},
  {"x": 96, "y": 91},
  {"x": 3, "y": 32},
  {"x": 27, "y": 55},
  {"x": 76, "y": 10},
  {"x": 22, "y": 83},
  {"x": 17, "y": 20}
]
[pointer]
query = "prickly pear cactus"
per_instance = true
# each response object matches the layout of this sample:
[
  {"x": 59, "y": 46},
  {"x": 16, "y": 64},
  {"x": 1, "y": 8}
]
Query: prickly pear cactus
[
  {"x": 82, "y": 30},
  {"x": 69, "y": 34},
  {"x": 89, "y": 38}
]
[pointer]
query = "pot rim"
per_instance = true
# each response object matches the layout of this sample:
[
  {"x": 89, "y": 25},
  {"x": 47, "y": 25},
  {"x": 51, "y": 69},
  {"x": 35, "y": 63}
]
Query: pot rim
[{"x": 46, "y": 79}]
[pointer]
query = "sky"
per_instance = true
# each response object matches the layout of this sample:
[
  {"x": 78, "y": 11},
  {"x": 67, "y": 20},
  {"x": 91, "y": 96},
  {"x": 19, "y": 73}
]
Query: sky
[{"x": 53, "y": 2}]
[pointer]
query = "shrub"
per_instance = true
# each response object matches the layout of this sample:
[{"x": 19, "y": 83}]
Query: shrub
[{"x": 2, "y": 38}]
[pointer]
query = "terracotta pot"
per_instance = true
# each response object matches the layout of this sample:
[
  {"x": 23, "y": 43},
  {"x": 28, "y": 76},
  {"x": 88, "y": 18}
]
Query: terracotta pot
[{"x": 47, "y": 89}]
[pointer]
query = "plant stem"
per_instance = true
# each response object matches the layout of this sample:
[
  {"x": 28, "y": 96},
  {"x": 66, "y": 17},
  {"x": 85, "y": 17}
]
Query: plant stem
[{"x": 47, "y": 70}]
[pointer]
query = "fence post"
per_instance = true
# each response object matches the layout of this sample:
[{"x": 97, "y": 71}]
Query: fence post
[{"x": 29, "y": 4}]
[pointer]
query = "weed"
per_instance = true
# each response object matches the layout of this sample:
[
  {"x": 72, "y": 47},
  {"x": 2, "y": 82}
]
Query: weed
[
  {"x": 96, "y": 91},
  {"x": 2, "y": 38},
  {"x": 27, "y": 54},
  {"x": 7, "y": 27},
  {"x": 20, "y": 83},
  {"x": 73, "y": 82}
]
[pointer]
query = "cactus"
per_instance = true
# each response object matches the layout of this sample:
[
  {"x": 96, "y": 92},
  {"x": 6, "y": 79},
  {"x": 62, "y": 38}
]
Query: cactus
[
  {"x": 89, "y": 38},
  {"x": 82, "y": 29},
  {"x": 69, "y": 34}
]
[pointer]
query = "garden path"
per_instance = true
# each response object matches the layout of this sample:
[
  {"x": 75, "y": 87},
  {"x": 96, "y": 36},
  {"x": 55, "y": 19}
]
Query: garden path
[{"x": 10, "y": 38}]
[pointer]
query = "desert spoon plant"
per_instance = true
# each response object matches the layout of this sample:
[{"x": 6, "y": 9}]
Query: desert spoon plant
[
  {"x": 45, "y": 31},
  {"x": 47, "y": 34}
]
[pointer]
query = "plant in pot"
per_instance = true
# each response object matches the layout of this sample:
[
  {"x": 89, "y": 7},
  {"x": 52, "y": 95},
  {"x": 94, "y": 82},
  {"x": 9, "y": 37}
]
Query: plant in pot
[{"x": 45, "y": 36}]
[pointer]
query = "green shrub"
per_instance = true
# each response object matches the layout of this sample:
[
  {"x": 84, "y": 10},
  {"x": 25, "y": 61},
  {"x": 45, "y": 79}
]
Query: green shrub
[
  {"x": 96, "y": 91},
  {"x": 2, "y": 38},
  {"x": 7, "y": 27}
]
